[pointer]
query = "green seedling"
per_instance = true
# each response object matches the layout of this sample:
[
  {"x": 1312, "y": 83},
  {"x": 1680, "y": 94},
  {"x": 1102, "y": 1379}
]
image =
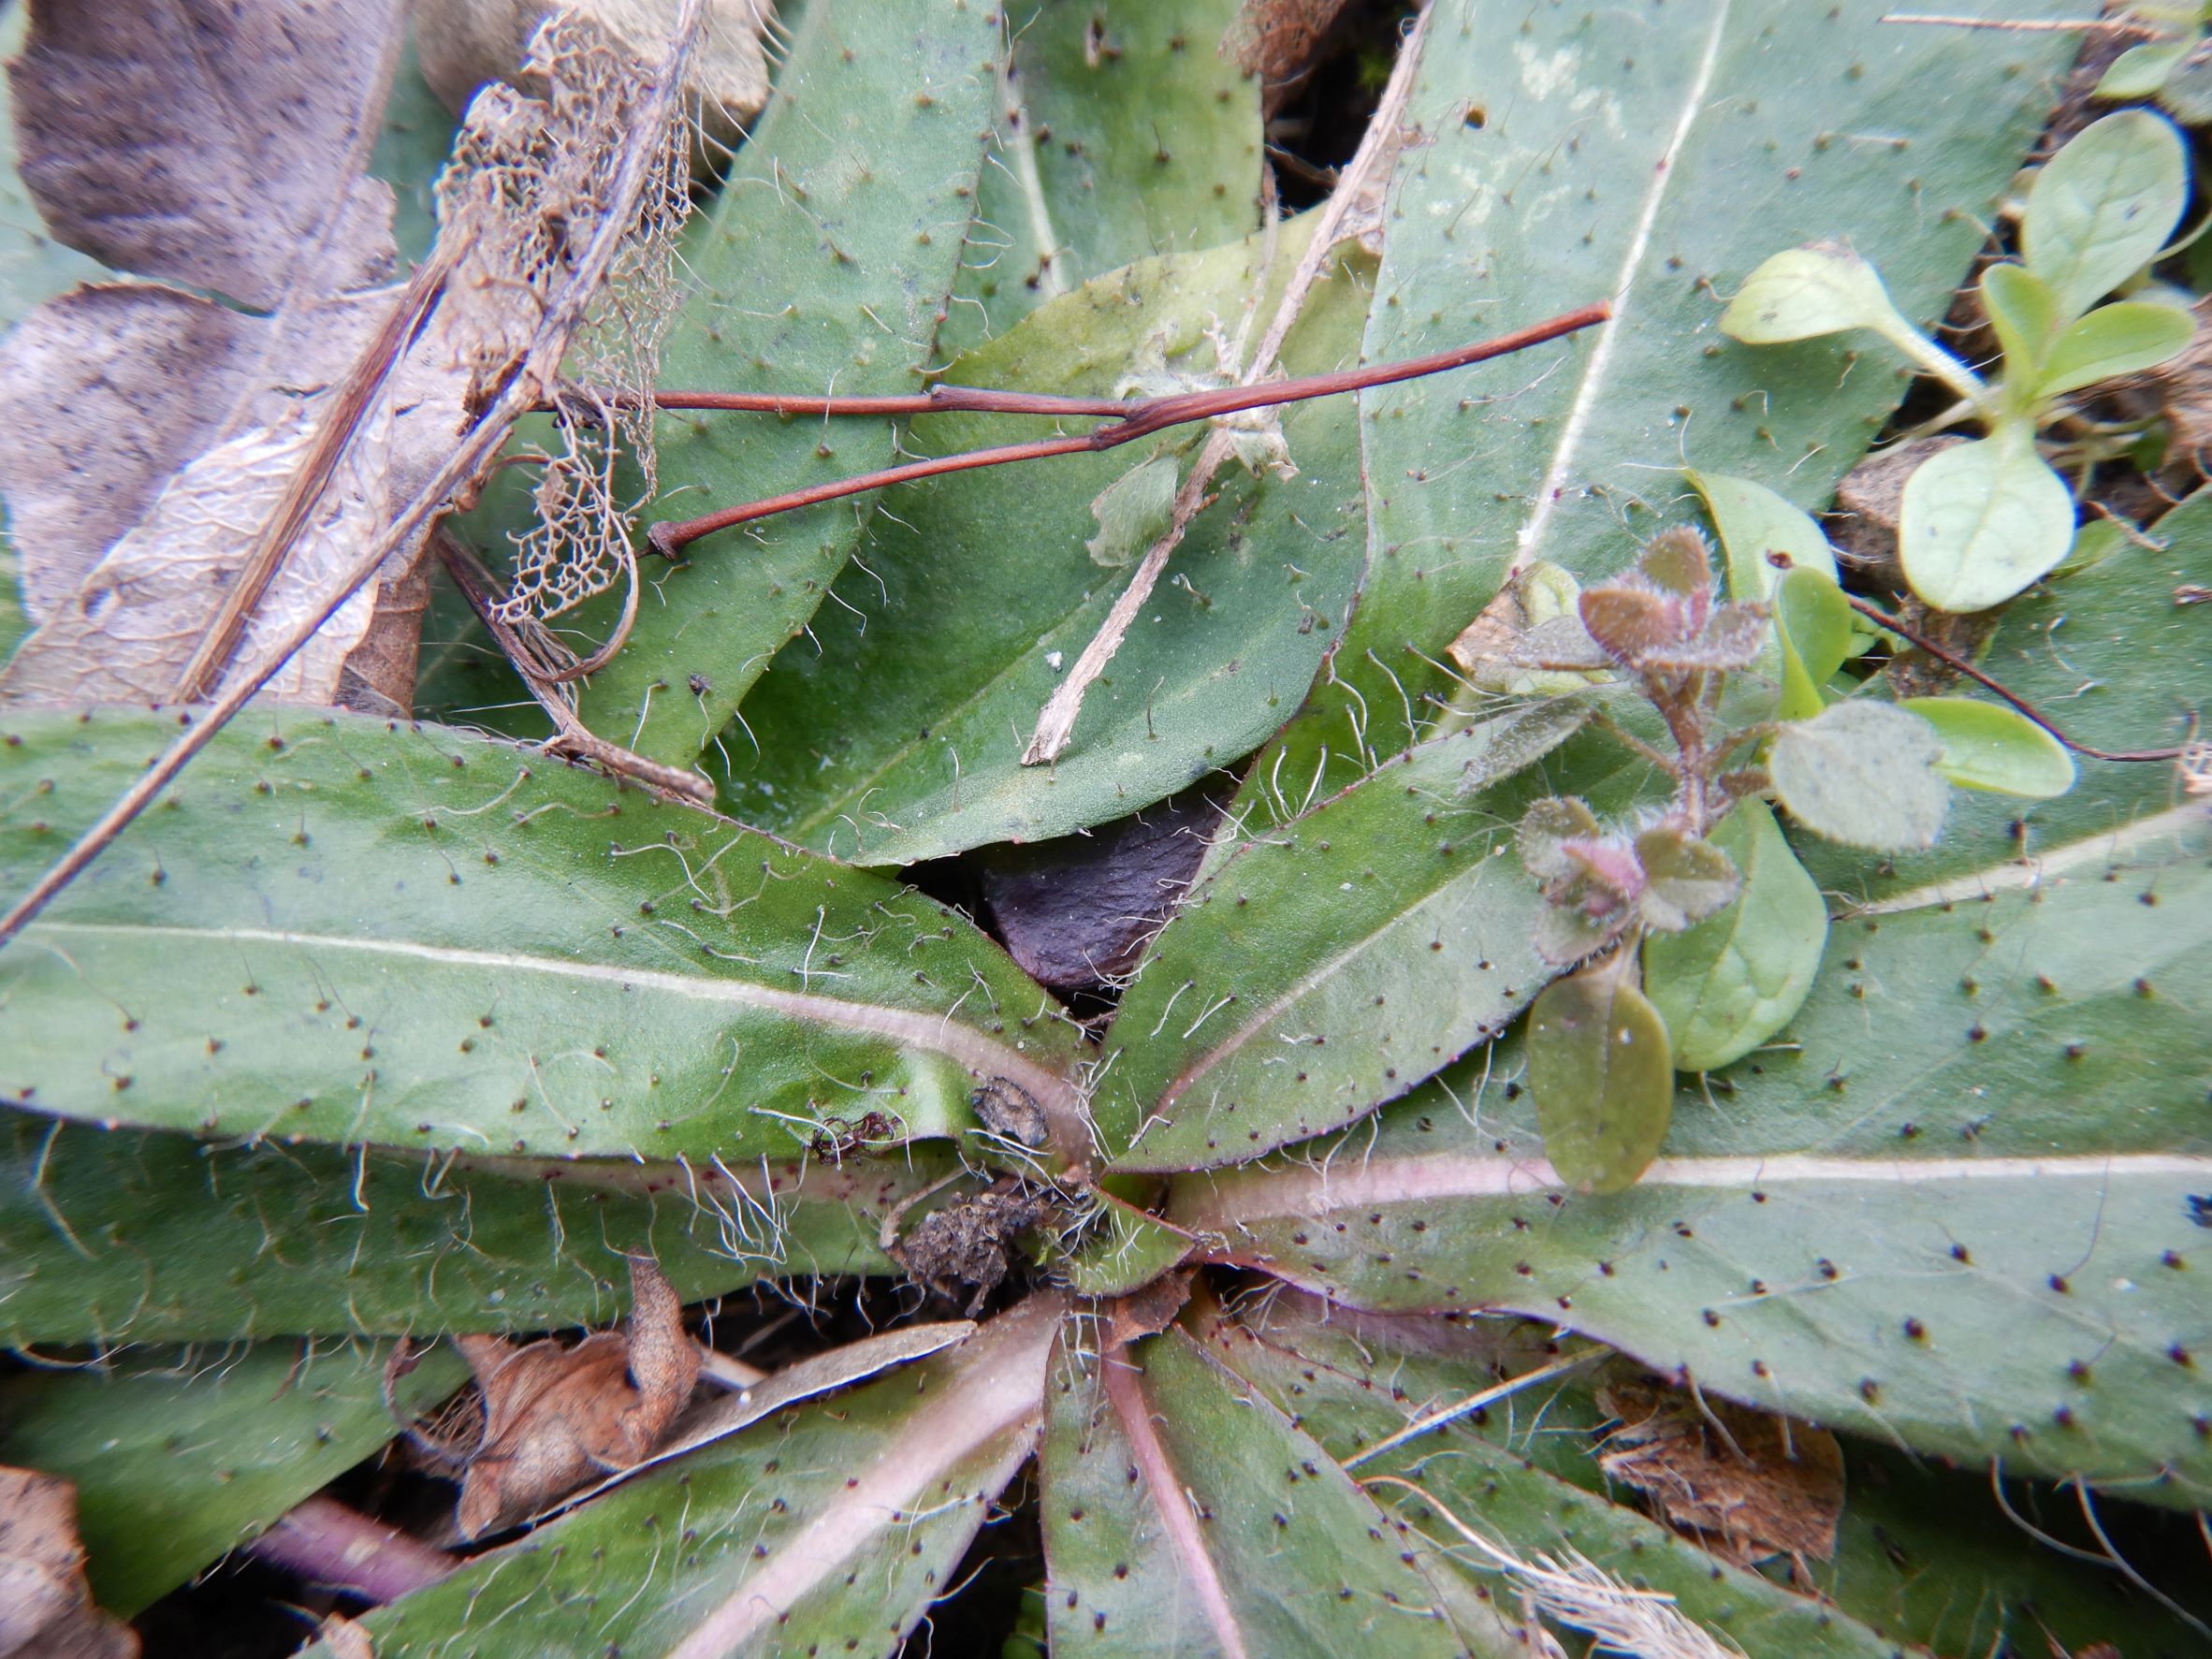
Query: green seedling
[
  {"x": 2175, "y": 69},
  {"x": 1983, "y": 520}
]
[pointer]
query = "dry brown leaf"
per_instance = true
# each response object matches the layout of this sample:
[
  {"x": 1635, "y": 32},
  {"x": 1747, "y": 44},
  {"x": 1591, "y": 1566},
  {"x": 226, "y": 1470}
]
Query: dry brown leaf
[
  {"x": 1279, "y": 40},
  {"x": 464, "y": 44},
  {"x": 556, "y": 1416},
  {"x": 345, "y": 1638},
  {"x": 215, "y": 144},
  {"x": 1147, "y": 1312},
  {"x": 1746, "y": 1484},
  {"x": 46, "y": 1610}
]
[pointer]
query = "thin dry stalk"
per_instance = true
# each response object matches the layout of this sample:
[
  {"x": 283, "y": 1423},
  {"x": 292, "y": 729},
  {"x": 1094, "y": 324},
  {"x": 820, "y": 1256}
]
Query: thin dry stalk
[
  {"x": 524, "y": 382},
  {"x": 1642, "y": 1624},
  {"x": 548, "y": 682},
  {"x": 1056, "y": 725}
]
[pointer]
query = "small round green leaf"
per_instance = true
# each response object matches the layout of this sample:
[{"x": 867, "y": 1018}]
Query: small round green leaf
[
  {"x": 1803, "y": 293},
  {"x": 2123, "y": 338},
  {"x": 1813, "y": 623},
  {"x": 1863, "y": 773},
  {"x": 1987, "y": 746},
  {"x": 1733, "y": 980},
  {"x": 2103, "y": 206},
  {"x": 1602, "y": 1072},
  {"x": 1752, "y": 522},
  {"x": 1982, "y": 520}
]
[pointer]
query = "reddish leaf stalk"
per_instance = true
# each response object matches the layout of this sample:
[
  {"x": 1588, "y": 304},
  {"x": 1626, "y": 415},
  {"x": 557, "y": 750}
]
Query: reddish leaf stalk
[{"x": 1138, "y": 419}]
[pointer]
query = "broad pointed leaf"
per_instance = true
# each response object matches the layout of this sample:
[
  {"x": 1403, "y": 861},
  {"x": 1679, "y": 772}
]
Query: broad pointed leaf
[
  {"x": 1329, "y": 967},
  {"x": 2123, "y": 338},
  {"x": 181, "y": 1455},
  {"x": 834, "y": 1525},
  {"x": 333, "y": 931},
  {"x": 1954, "y": 1214},
  {"x": 824, "y": 265}
]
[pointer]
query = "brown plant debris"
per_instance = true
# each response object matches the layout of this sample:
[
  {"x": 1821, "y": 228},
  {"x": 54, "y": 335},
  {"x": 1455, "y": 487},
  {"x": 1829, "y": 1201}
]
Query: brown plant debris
[
  {"x": 968, "y": 1240},
  {"x": 553, "y": 1416},
  {"x": 1747, "y": 1485},
  {"x": 46, "y": 1610},
  {"x": 1010, "y": 1110}
]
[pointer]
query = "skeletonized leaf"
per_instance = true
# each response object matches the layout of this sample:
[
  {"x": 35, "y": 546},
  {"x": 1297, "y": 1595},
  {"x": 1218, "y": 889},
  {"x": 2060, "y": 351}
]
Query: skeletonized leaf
[
  {"x": 1727, "y": 985},
  {"x": 1602, "y": 1070},
  {"x": 2103, "y": 206},
  {"x": 1982, "y": 520},
  {"x": 1989, "y": 747},
  {"x": 1862, "y": 772}
]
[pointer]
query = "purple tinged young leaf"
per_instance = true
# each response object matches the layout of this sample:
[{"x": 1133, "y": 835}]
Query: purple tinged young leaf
[
  {"x": 1546, "y": 828},
  {"x": 1677, "y": 561},
  {"x": 1609, "y": 871},
  {"x": 1631, "y": 623},
  {"x": 1732, "y": 638}
]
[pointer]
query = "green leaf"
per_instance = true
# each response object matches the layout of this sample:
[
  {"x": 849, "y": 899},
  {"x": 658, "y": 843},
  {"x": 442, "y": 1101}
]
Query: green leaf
[
  {"x": 2123, "y": 338},
  {"x": 1862, "y": 773},
  {"x": 1602, "y": 1070},
  {"x": 1812, "y": 622},
  {"x": 1727, "y": 986},
  {"x": 1954, "y": 1214},
  {"x": 1159, "y": 1540},
  {"x": 2140, "y": 71},
  {"x": 1804, "y": 293},
  {"x": 336, "y": 931},
  {"x": 2102, "y": 207},
  {"x": 2024, "y": 312},
  {"x": 1326, "y": 967},
  {"x": 1981, "y": 520},
  {"x": 896, "y": 733},
  {"x": 824, "y": 262},
  {"x": 1133, "y": 511},
  {"x": 2103, "y": 650},
  {"x": 178, "y": 1457},
  {"x": 1525, "y": 1471},
  {"x": 1560, "y": 454},
  {"x": 1120, "y": 134},
  {"x": 1987, "y": 746},
  {"x": 1688, "y": 878},
  {"x": 112, "y": 1236},
  {"x": 1753, "y": 521},
  {"x": 833, "y": 1525}
]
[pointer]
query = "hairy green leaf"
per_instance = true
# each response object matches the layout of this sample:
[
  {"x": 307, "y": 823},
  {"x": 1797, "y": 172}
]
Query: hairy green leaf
[
  {"x": 332, "y": 930},
  {"x": 1333, "y": 965},
  {"x": 1602, "y": 1070},
  {"x": 2103, "y": 207},
  {"x": 1955, "y": 1214},
  {"x": 824, "y": 265},
  {"x": 897, "y": 732},
  {"x": 1727, "y": 986},
  {"x": 1160, "y": 1538},
  {"x": 830, "y": 1527},
  {"x": 1863, "y": 773},
  {"x": 1987, "y": 746},
  {"x": 110, "y": 1237},
  {"x": 1120, "y": 134},
  {"x": 181, "y": 1455}
]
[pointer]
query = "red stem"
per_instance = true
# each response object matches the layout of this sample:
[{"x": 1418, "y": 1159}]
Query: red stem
[{"x": 1138, "y": 419}]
